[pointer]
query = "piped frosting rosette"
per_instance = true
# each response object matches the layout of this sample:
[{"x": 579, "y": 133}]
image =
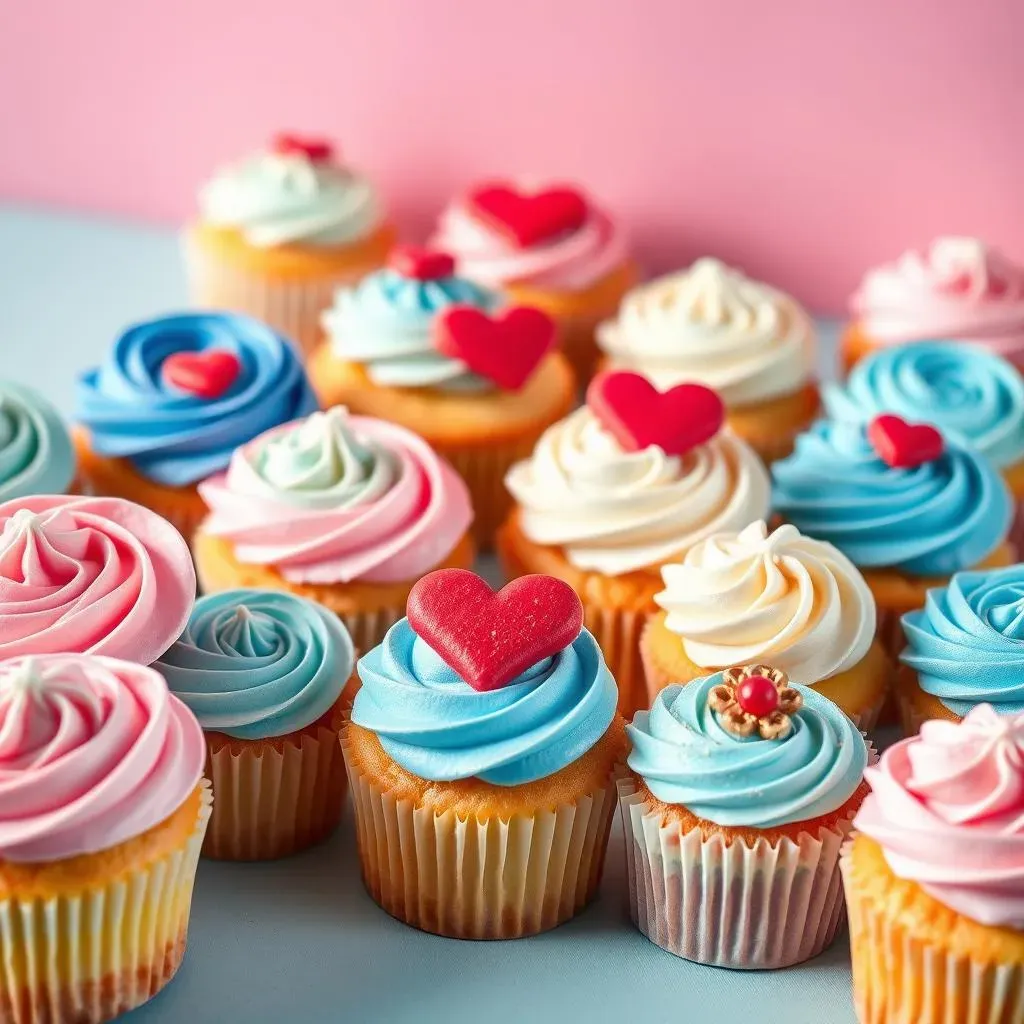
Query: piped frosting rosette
[{"x": 36, "y": 455}]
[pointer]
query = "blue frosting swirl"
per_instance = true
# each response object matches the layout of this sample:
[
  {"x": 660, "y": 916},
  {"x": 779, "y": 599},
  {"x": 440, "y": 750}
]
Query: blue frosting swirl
[
  {"x": 967, "y": 643},
  {"x": 175, "y": 438},
  {"x": 36, "y": 454},
  {"x": 435, "y": 725},
  {"x": 255, "y": 664},
  {"x": 687, "y": 758},
  {"x": 974, "y": 397},
  {"x": 932, "y": 520}
]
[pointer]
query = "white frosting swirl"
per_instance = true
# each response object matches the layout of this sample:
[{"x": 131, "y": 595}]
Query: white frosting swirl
[
  {"x": 711, "y": 325},
  {"x": 615, "y": 511}
]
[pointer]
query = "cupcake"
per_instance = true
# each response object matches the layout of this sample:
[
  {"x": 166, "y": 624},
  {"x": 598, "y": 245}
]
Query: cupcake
[
  {"x": 552, "y": 248},
  {"x": 429, "y": 350},
  {"x": 629, "y": 482},
  {"x": 906, "y": 506},
  {"x": 778, "y": 597},
  {"x": 173, "y": 400},
  {"x": 346, "y": 511},
  {"x": 102, "y": 813},
  {"x": 36, "y": 454},
  {"x": 960, "y": 289},
  {"x": 264, "y": 672},
  {"x": 711, "y": 325},
  {"x": 91, "y": 576},
  {"x": 278, "y": 231},
  {"x": 741, "y": 791},
  {"x": 482, "y": 752},
  {"x": 934, "y": 877}
]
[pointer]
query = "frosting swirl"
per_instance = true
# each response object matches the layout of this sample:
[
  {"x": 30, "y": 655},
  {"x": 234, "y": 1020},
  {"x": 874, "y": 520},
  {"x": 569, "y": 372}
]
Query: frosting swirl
[
  {"x": 336, "y": 498},
  {"x": 615, "y": 511},
  {"x": 36, "y": 455},
  {"x": 932, "y": 520},
  {"x": 435, "y": 725},
  {"x": 947, "y": 809},
  {"x": 91, "y": 576},
  {"x": 686, "y": 757},
  {"x": 176, "y": 438},
  {"x": 711, "y": 325},
  {"x": 93, "y": 752},
  {"x": 258, "y": 663}
]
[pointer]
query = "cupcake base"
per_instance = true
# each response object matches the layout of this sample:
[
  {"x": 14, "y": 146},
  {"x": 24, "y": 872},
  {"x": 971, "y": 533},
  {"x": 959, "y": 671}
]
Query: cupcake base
[{"x": 772, "y": 427}]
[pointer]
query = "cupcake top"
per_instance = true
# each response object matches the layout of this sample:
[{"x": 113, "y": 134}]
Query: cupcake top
[
  {"x": 295, "y": 192},
  {"x": 91, "y": 576},
  {"x": 553, "y": 238},
  {"x": 711, "y": 325},
  {"x": 967, "y": 643},
  {"x": 178, "y": 394},
  {"x": 947, "y": 511},
  {"x": 36, "y": 455},
  {"x": 745, "y": 748},
  {"x": 779, "y": 597},
  {"x": 947, "y": 809},
  {"x": 255, "y": 664},
  {"x": 974, "y": 397},
  {"x": 334, "y": 498},
  {"x": 507, "y": 688},
  {"x": 93, "y": 752}
]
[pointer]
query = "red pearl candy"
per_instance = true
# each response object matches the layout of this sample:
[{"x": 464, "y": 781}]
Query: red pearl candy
[{"x": 758, "y": 696}]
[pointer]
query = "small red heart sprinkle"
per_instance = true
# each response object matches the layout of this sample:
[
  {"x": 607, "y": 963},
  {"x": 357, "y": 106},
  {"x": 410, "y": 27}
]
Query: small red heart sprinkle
[
  {"x": 529, "y": 219},
  {"x": 288, "y": 144},
  {"x": 637, "y": 415},
  {"x": 206, "y": 374},
  {"x": 505, "y": 349},
  {"x": 904, "y": 445},
  {"x": 491, "y": 638},
  {"x": 421, "y": 264},
  {"x": 758, "y": 696}
]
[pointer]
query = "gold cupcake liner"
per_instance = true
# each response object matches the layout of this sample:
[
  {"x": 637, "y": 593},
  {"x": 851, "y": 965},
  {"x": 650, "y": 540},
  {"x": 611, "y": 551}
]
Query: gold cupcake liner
[
  {"x": 618, "y": 632},
  {"x": 91, "y": 956}
]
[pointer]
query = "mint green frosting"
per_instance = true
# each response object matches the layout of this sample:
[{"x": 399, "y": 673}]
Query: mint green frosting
[{"x": 36, "y": 454}]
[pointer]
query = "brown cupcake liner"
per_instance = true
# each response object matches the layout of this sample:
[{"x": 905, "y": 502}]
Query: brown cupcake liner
[{"x": 618, "y": 633}]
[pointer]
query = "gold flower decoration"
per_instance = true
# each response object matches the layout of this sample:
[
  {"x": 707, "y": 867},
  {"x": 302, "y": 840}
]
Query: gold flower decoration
[{"x": 755, "y": 698}]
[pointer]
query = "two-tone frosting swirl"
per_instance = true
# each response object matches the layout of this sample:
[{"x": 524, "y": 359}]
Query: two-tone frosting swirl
[
  {"x": 931, "y": 520},
  {"x": 686, "y": 757},
  {"x": 93, "y": 576},
  {"x": 711, "y": 325},
  {"x": 36, "y": 455},
  {"x": 172, "y": 436},
  {"x": 93, "y": 752}
]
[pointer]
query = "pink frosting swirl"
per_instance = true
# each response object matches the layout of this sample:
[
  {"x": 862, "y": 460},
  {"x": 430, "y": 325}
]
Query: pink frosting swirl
[
  {"x": 93, "y": 752},
  {"x": 334, "y": 498},
  {"x": 91, "y": 576},
  {"x": 947, "y": 808}
]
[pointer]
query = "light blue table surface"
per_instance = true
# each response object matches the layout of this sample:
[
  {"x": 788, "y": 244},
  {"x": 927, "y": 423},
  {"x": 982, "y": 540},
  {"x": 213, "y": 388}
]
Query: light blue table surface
[{"x": 299, "y": 941}]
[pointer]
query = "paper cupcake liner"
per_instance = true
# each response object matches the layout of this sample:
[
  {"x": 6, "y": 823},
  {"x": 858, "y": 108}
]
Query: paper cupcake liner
[
  {"x": 91, "y": 956},
  {"x": 618, "y": 632}
]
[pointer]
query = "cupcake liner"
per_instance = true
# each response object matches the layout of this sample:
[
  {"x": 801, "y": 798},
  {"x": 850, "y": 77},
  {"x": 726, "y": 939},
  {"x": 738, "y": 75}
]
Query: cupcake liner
[
  {"x": 93, "y": 955},
  {"x": 618, "y": 632}
]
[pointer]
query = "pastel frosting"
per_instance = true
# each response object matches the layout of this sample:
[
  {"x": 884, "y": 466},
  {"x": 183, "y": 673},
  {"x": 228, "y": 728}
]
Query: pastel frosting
[
  {"x": 967, "y": 643},
  {"x": 171, "y": 436},
  {"x": 97, "y": 576},
  {"x": 947, "y": 809},
  {"x": 775, "y": 598},
  {"x": 974, "y": 397},
  {"x": 616, "y": 511},
  {"x": 932, "y": 520},
  {"x": 255, "y": 664},
  {"x": 711, "y": 325},
  {"x": 685, "y": 757},
  {"x": 36, "y": 454},
  {"x": 334, "y": 498},
  {"x": 93, "y": 752},
  {"x": 436, "y": 726}
]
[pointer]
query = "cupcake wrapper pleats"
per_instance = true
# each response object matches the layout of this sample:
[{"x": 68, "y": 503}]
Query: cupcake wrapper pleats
[{"x": 618, "y": 631}]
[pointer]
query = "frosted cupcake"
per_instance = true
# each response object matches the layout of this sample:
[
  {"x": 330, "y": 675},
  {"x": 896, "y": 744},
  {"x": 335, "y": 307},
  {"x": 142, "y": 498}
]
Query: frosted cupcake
[
  {"x": 711, "y": 325},
  {"x": 36, "y": 454}
]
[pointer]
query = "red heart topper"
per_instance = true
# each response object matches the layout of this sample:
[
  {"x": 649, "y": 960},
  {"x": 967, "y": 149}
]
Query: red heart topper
[
  {"x": 314, "y": 149},
  {"x": 637, "y": 415},
  {"x": 420, "y": 264},
  {"x": 491, "y": 638},
  {"x": 528, "y": 219},
  {"x": 505, "y": 349},
  {"x": 206, "y": 374},
  {"x": 904, "y": 445}
]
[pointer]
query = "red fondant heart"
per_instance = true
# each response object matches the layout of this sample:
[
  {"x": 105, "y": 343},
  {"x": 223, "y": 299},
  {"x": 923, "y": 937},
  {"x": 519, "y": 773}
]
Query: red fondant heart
[
  {"x": 505, "y": 349},
  {"x": 206, "y": 374},
  {"x": 420, "y": 264},
  {"x": 490, "y": 638},
  {"x": 637, "y": 415},
  {"x": 904, "y": 445},
  {"x": 529, "y": 219},
  {"x": 288, "y": 144}
]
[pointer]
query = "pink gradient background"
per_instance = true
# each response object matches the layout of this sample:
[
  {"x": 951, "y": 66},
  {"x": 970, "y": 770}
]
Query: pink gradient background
[{"x": 802, "y": 139}]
